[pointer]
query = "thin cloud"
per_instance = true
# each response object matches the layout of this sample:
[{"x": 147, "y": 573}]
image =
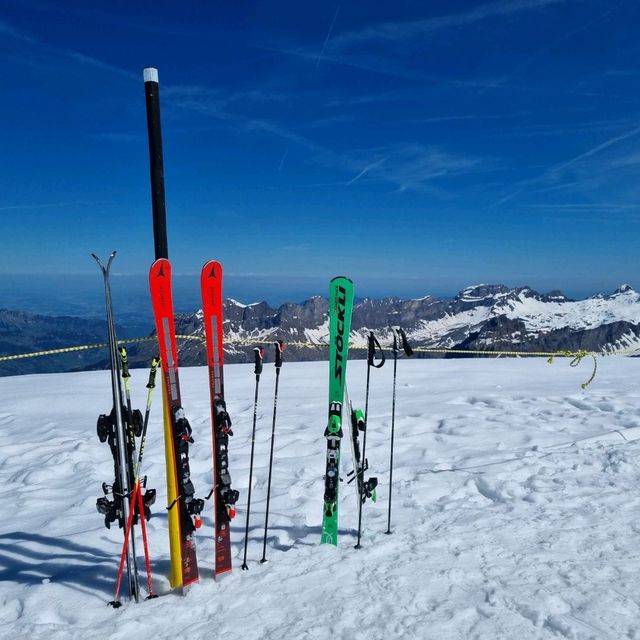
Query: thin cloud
[
  {"x": 41, "y": 47},
  {"x": 212, "y": 103},
  {"x": 554, "y": 172},
  {"x": 284, "y": 157},
  {"x": 117, "y": 137},
  {"x": 541, "y": 129},
  {"x": 586, "y": 206},
  {"x": 470, "y": 117},
  {"x": 326, "y": 40},
  {"x": 382, "y": 67},
  {"x": 553, "y": 45},
  {"x": 393, "y": 31},
  {"x": 365, "y": 171},
  {"x": 593, "y": 151},
  {"x": 48, "y": 205},
  {"x": 406, "y": 166}
]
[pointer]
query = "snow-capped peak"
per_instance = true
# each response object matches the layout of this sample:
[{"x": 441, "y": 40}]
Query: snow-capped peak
[{"x": 624, "y": 288}]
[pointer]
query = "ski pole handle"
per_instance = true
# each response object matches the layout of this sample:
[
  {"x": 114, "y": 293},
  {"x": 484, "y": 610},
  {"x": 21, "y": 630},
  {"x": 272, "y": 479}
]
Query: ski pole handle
[
  {"x": 279, "y": 344},
  {"x": 400, "y": 339},
  {"x": 372, "y": 346},
  {"x": 258, "y": 354},
  {"x": 125, "y": 362},
  {"x": 155, "y": 363},
  {"x": 405, "y": 344}
]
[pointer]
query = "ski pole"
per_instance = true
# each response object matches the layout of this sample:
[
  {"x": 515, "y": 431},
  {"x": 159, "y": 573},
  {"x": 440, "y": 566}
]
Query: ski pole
[
  {"x": 372, "y": 344},
  {"x": 151, "y": 384},
  {"x": 137, "y": 501},
  {"x": 115, "y": 603},
  {"x": 399, "y": 338},
  {"x": 279, "y": 358},
  {"x": 145, "y": 543},
  {"x": 130, "y": 444},
  {"x": 126, "y": 377},
  {"x": 258, "y": 353}
]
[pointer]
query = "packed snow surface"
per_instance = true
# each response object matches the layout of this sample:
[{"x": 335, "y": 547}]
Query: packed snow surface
[{"x": 515, "y": 515}]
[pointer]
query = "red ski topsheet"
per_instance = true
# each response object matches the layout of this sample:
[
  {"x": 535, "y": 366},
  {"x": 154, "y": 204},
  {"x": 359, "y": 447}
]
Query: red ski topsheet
[
  {"x": 162, "y": 301},
  {"x": 211, "y": 285}
]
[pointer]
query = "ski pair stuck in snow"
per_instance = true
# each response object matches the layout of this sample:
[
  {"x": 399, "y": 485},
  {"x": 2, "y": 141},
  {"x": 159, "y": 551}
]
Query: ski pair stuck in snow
[
  {"x": 341, "y": 294},
  {"x": 184, "y": 508},
  {"x": 340, "y": 308},
  {"x": 131, "y": 500}
]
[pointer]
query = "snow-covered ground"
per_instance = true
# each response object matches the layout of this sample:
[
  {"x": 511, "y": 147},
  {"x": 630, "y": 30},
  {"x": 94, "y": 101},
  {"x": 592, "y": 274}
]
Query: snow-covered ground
[{"x": 499, "y": 532}]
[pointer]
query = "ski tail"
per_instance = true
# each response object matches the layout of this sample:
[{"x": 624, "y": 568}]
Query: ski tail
[
  {"x": 340, "y": 307},
  {"x": 357, "y": 424}
]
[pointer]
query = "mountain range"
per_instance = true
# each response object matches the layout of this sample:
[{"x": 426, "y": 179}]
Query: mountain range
[{"x": 485, "y": 317}]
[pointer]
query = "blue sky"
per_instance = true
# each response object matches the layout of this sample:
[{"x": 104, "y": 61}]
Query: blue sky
[{"x": 416, "y": 146}]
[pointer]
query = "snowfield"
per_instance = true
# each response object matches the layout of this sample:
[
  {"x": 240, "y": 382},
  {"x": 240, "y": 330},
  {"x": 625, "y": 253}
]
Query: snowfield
[{"x": 515, "y": 515}]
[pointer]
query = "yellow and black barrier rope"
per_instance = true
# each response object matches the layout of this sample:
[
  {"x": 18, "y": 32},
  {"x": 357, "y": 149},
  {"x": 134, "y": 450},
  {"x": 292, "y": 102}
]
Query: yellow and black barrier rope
[
  {"x": 576, "y": 356},
  {"x": 85, "y": 347}
]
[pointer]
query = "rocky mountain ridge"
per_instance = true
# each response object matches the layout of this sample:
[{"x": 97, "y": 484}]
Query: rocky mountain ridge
[{"x": 487, "y": 317}]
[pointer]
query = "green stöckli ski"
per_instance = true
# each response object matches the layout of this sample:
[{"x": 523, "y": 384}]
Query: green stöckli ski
[{"x": 340, "y": 308}]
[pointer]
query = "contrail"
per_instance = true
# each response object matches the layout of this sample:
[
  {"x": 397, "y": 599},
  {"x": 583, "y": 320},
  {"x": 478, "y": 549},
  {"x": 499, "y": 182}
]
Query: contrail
[
  {"x": 284, "y": 157},
  {"x": 324, "y": 46},
  {"x": 364, "y": 171}
]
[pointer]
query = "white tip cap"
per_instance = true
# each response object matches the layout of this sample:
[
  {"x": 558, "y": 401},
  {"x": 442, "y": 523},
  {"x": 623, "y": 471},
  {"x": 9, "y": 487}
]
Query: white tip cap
[{"x": 150, "y": 74}]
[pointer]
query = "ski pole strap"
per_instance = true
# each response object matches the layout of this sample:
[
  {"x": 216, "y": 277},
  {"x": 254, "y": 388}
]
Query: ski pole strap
[
  {"x": 258, "y": 354},
  {"x": 174, "y": 503},
  {"x": 155, "y": 363},
  {"x": 125, "y": 362},
  {"x": 400, "y": 338},
  {"x": 279, "y": 344},
  {"x": 373, "y": 347}
]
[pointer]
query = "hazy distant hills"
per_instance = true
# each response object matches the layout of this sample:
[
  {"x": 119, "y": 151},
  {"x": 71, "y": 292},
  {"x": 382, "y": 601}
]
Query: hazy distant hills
[
  {"x": 22, "y": 332},
  {"x": 489, "y": 317}
]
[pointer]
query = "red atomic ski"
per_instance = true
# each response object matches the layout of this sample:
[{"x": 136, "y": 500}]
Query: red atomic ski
[
  {"x": 224, "y": 496},
  {"x": 184, "y": 508}
]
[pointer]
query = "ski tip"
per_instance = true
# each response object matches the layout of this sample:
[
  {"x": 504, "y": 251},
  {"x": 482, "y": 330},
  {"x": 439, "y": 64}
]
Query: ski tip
[
  {"x": 116, "y": 604},
  {"x": 341, "y": 278},
  {"x": 150, "y": 74},
  {"x": 160, "y": 268},
  {"x": 212, "y": 269}
]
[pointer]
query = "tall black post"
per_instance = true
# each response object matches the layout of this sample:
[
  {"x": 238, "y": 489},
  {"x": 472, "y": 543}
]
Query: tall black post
[{"x": 152, "y": 95}]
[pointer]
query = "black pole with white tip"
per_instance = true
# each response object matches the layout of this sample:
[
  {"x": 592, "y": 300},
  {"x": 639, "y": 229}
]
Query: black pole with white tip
[{"x": 156, "y": 163}]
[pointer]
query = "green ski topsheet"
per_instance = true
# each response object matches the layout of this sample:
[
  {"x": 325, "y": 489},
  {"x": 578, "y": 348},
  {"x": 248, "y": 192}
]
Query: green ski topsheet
[{"x": 340, "y": 308}]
